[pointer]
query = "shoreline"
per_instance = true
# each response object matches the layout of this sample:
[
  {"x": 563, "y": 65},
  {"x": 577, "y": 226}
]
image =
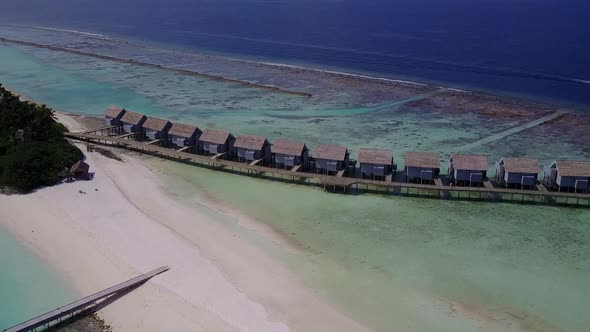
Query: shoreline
[{"x": 209, "y": 287}]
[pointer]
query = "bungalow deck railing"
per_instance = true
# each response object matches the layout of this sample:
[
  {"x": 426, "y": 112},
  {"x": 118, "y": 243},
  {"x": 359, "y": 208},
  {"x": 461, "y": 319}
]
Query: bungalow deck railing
[{"x": 347, "y": 184}]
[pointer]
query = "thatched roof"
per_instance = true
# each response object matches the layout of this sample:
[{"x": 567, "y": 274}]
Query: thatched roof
[
  {"x": 573, "y": 168},
  {"x": 330, "y": 152},
  {"x": 290, "y": 148},
  {"x": 252, "y": 142},
  {"x": 215, "y": 136},
  {"x": 422, "y": 159},
  {"x": 80, "y": 166},
  {"x": 182, "y": 130},
  {"x": 155, "y": 123},
  {"x": 113, "y": 111},
  {"x": 132, "y": 117},
  {"x": 521, "y": 165},
  {"x": 469, "y": 162},
  {"x": 375, "y": 156}
]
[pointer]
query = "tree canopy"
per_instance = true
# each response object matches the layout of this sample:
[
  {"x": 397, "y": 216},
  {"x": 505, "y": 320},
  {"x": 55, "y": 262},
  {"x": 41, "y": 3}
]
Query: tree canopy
[{"x": 33, "y": 148}]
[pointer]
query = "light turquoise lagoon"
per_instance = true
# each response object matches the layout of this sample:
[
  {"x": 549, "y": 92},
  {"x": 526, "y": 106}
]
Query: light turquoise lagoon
[
  {"x": 394, "y": 264},
  {"x": 406, "y": 264},
  {"x": 27, "y": 287}
]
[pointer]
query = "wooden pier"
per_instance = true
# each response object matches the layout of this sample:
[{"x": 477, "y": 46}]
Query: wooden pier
[
  {"x": 87, "y": 304},
  {"x": 347, "y": 184}
]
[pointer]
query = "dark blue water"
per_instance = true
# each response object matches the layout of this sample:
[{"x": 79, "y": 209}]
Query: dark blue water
[{"x": 538, "y": 48}]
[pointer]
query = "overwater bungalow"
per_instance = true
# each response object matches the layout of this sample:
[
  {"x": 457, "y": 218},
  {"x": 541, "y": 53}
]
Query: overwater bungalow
[
  {"x": 331, "y": 159},
  {"x": 156, "y": 128},
  {"x": 113, "y": 115},
  {"x": 518, "y": 172},
  {"x": 252, "y": 147},
  {"x": 468, "y": 169},
  {"x": 289, "y": 154},
  {"x": 375, "y": 163},
  {"x": 80, "y": 170},
  {"x": 215, "y": 141},
  {"x": 184, "y": 136},
  {"x": 566, "y": 175},
  {"x": 421, "y": 166},
  {"x": 132, "y": 122}
]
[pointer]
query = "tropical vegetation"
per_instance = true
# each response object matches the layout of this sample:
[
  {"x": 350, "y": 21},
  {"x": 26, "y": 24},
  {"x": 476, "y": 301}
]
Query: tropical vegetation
[{"x": 33, "y": 148}]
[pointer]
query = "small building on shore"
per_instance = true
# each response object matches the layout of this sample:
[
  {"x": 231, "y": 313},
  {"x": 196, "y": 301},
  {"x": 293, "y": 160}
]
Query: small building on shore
[
  {"x": 215, "y": 141},
  {"x": 375, "y": 163},
  {"x": 289, "y": 154},
  {"x": 252, "y": 147},
  {"x": 183, "y": 135},
  {"x": 421, "y": 166},
  {"x": 132, "y": 122},
  {"x": 566, "y": 175},
  {"x": 518, "y": 172},
  {"x": 467, "y": 169},
  {"x": 80, "y": 170},
  {"x": 330, "y": 159},
  {"x": 156, "y": 128},
  {"x": 113, "y": 115}
]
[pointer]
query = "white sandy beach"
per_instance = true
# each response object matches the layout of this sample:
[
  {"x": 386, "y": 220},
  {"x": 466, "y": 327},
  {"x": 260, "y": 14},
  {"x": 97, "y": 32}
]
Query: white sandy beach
[{"x": 125, "y": 223}]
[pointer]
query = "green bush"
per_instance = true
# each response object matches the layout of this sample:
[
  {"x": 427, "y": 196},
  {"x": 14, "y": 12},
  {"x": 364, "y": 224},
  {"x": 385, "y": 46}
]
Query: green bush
[{"x": 37, "y": 161}]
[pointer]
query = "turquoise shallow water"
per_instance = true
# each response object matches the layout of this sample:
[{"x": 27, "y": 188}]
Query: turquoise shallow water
[
  {"x": 27, "y": 287},
  {"x": 395, "y": 264},
  {"x": 403, "y": 264}
]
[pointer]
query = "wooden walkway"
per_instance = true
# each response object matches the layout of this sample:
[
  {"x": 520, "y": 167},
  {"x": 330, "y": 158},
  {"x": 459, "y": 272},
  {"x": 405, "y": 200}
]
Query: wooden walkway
[
  {"x": 342, "y": 184},
  {"x": 85, "y": 303},
  {"x": 511, "y": 131},
  {"x": 153, "y": 142}
]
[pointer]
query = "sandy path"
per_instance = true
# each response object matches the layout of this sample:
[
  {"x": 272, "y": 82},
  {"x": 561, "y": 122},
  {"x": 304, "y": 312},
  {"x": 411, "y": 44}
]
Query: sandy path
[{"x": 125, "y": 222}]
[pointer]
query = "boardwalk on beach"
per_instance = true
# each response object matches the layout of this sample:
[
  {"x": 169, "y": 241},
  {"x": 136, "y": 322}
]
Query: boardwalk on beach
[
  {"x": 87, "y": 303},
  {"x": 347, "y": 184}
]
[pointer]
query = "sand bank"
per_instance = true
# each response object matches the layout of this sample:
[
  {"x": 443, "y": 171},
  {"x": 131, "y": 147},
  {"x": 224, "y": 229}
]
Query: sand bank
[{"x": 124, "y": 222}]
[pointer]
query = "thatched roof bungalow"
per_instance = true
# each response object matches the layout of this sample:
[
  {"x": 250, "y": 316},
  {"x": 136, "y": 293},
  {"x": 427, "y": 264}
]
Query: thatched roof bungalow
[
  {"x": 132, "y": 122},
  {"x": 375, "y": 162},
  {"x": 518, "y": 171},
  {"x": 290, "y": 153},
  {"x": 330, "y": 158},
  {"x": 252, "y": 147},
  {"x": 468, "y": 169},
  {"x": 156, "y": 128},
  {"x": 569, "y": 175},
  {"x": 421, "y": 166},
  {"x": 183, "y": 135},
  {"x": 216, "y": 141},
  {"x": 113, "y": 115},
  {"x": 80, "y": 170}
]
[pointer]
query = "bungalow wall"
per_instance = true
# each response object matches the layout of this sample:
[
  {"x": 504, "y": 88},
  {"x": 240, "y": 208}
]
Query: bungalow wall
[
  {"x": 182, "y": 141},
  {"x": 469, "y": 175},
  {"x": 158, "y": 134},
  {"x": 375, "y": 169},
  {"x": 517, "y": 178},
  {"x": 291, "y": 160},
  {"x": 130, "y": 128},
  {"x": 422, "y": 173},
  {"x": 215, "y": 148},
  {"x": 570, "y": 182},
  {"x": 250, "y": 154},
  {"x": 329, "y": 165}
]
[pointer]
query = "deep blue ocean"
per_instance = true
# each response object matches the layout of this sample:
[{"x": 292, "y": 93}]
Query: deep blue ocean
[{"x": 537, "y": 48}]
